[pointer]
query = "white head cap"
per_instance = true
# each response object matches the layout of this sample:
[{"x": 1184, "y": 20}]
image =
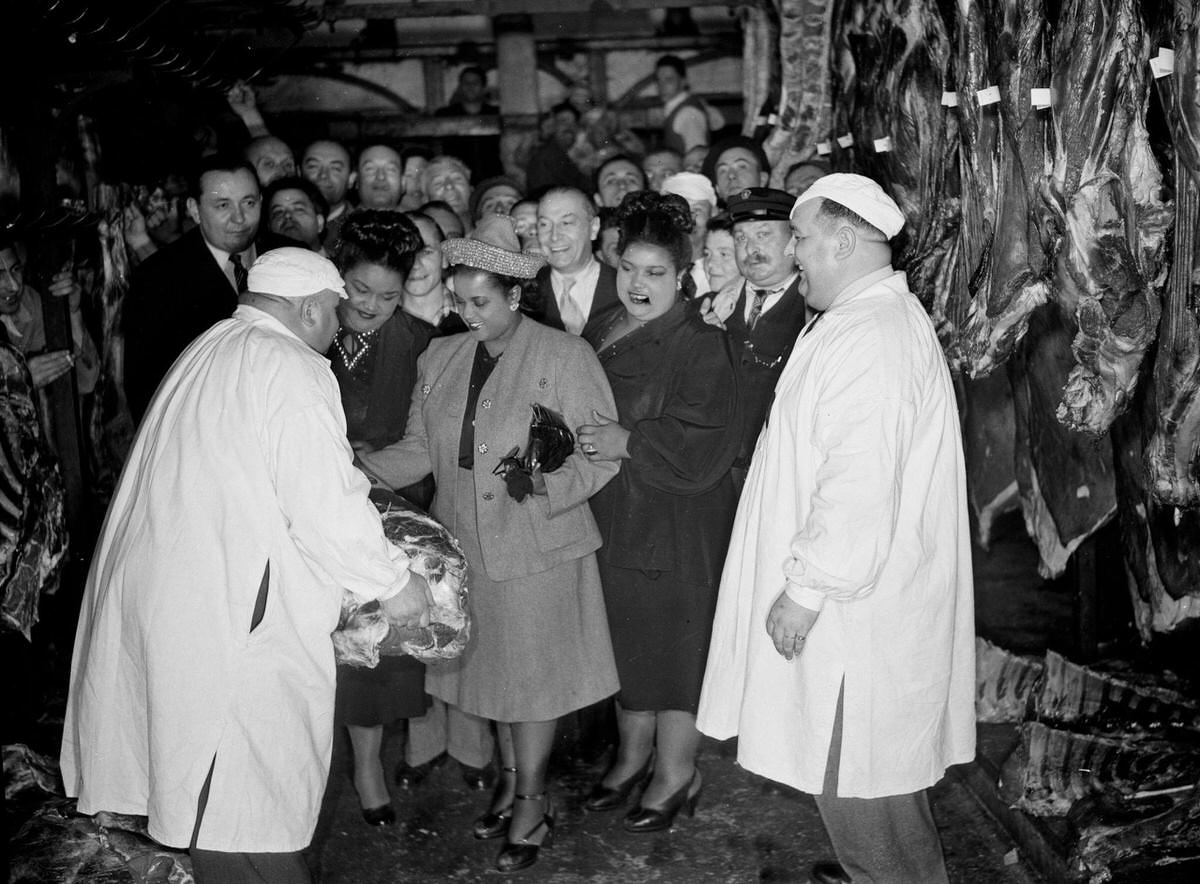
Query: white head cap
[
  {"x": 690, "y": 186},
  {"x": 294, "y": 273},
  {"x": 860, "y": 195}
]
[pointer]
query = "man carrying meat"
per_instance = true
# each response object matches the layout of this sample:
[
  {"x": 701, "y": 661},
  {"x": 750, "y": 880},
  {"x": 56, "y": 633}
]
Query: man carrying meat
[
  {"x": 202, "y": 684},
  {"x": 842, "y": 653}
]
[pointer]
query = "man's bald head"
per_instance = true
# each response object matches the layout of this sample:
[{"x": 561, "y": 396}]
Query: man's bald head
[{"x": 271, "y": 159}]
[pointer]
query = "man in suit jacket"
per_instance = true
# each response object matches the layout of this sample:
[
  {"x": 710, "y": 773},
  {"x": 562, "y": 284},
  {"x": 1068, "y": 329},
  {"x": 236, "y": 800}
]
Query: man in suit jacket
[
  {"x": 193, "y": 283},
  {"x": 765, "y": 313},
  {"x": 575, "y": 288}
]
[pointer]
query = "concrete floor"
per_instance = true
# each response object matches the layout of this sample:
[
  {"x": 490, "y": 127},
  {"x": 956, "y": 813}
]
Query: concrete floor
[{"x": 745, "y": 830}]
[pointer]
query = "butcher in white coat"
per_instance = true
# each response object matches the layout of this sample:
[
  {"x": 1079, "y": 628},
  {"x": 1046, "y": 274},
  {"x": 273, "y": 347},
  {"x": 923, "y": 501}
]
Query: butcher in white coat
[
  {"x": 842, "y": 654},
  {"x": 202, "y": 682}
]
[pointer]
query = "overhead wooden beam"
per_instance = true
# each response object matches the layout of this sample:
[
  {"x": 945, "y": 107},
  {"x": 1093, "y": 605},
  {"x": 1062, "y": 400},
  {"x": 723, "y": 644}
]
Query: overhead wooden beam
[{"x": 438, "y": 8}]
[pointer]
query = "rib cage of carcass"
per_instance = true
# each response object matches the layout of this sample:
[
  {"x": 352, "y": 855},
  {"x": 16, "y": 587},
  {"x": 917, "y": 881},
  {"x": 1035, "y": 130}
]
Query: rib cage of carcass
[{"x": 364, "y": 632}]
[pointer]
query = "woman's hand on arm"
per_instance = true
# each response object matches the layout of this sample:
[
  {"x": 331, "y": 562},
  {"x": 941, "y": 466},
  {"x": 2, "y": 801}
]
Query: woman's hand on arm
[{"x": 604, "y": 440}]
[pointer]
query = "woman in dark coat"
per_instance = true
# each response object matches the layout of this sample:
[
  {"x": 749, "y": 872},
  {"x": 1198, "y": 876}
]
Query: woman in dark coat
[
  {"x": 374, "y": 358},
  {"x": 665, "y": 519}
]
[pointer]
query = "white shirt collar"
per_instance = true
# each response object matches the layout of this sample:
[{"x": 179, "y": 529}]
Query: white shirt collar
[
  {"x": 246, "y": 255},
  {"x": 679, "y": 99},
  {"x": 772, "y": 299}
]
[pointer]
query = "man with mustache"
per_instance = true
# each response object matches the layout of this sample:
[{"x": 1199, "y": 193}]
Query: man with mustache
[{"x": 763, "y": 313}]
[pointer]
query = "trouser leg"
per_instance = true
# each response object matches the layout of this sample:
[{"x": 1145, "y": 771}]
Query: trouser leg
[
  {"x": 445, "y": 728},
  {"x": 891, "y": 840},
  {"x": 426, "y": 735},
  {"x": 225, "y": 867},
  {"x": 469, "y": 738}
]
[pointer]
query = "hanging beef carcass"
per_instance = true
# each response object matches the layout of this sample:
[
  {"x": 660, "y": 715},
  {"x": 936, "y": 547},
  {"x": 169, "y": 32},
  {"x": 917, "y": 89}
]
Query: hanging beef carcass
[
  {"x": 1001, "y": 54},
  {"x": 804, "y": 102},
  {"x": 1104, "y": 199},
  {"x": 849, "y": 30},
  {"x": 988, "y": 428},
  {"x": 1173, "y": 455},
  {"x": 1064, "y": 477},
  {"x": 1160, "y": 542},
  {"x": 907, "y": 138},
  {"x": 33, "y": 536}
]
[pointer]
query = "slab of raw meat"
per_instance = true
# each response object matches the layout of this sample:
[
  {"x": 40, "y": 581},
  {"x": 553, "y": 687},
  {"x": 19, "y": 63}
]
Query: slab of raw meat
[
  {"x": 364, "y": 632},
  {"x": 1105, "y": 205},
  {"x": 1173, "y": 455},
  {"x": 1065, "y": 477}
]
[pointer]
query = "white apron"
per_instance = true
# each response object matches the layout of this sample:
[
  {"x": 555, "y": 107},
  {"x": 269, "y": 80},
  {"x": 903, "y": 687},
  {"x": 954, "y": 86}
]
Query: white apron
[
  {"x": 855, "y": 499},
  {"x": 241, "y": 460}
]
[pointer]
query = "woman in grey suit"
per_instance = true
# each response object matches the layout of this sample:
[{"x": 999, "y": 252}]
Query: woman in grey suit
[{"x": 541, "y": 645}]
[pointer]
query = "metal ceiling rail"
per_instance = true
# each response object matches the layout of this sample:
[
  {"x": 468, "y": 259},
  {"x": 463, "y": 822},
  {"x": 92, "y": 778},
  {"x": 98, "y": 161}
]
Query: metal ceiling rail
[{"x": 337, "y": 10}]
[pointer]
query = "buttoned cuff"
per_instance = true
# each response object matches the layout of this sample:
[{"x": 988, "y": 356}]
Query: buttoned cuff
[{"x": 805, "y": 597}]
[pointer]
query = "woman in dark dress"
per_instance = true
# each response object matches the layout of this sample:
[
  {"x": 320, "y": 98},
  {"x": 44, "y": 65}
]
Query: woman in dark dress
[
  {"x": 374, "y": 358},
  {"x": 665, "y": 519}
]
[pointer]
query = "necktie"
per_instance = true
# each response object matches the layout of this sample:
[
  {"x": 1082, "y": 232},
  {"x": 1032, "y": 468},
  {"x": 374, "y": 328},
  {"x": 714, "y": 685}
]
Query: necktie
[
  {"x": 572, "y": 317},
  {"x": 760, "y": 295},
  {"x": 239, "y": 272}
]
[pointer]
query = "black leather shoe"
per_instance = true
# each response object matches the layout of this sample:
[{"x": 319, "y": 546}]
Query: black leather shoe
[
  {"x": 494, "y": 823},
  {"x": 826, "y": 872},
  {"x": 478, "y": 779},
  {"x": 604, "y": 797},
  {"x": 521, "y": 854},
  {"x": 655, "y": 819},
  {"x": 410, "y": 776},
  {"x": 383, "y": 815}
]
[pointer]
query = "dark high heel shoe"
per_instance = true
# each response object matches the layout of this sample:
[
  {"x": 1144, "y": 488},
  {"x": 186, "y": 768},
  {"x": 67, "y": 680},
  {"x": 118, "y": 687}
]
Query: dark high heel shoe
[
  {"x": 604, "y": 797},
  {"x": 655, "y": 819},
  {"x": 383, "y": 815},
  {"x": 522, "y": 853},
  {"x": 494, "y": 823}
]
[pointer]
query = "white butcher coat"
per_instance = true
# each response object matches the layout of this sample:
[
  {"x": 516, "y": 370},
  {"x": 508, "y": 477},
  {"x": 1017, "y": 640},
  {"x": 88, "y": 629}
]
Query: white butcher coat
[
  {"x": 855, "y": 500},
  {"x": 241, "y": 460}
]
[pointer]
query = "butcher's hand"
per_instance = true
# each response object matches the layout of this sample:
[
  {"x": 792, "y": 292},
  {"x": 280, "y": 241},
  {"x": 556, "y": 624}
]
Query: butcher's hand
[
  {"x": 410, "y": 606},
  {"x": 604, "y": 440},
  {"x": 788, "y": 624}
]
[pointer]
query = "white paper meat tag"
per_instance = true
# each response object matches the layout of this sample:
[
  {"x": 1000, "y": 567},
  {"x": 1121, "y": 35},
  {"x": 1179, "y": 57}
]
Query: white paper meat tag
[
  {"x": 949, "y": 99},
  {"x": 824, "y": 148},
  {"x": 1039, "y": 98},
  {"x": 883, "y": 145},
  {"x": 1163, "y": 64},
  {"x": 845, "y": 140},
  {"x": 990, "y": 95}
]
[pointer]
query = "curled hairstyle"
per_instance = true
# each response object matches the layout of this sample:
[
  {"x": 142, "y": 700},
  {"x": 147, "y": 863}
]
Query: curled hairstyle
[
  {"x": 662, "y": 220},
  {"x": 378, "y": 236}
]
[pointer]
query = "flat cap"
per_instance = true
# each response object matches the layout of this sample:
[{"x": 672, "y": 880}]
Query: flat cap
[
  {"x": 760, "y": 204},
  {"x": 294, "y": 273},
  {"x": 861, "y": 195}
]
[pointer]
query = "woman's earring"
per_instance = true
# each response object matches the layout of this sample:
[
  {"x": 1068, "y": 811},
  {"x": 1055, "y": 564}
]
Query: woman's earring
[{"x": 513, "y": 306}]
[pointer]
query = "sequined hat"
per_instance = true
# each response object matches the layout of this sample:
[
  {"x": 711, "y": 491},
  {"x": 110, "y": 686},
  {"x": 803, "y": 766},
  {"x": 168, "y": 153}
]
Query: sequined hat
[
  {"x": 760, "y": 204},
  {"x": 493, "y": 245}
]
